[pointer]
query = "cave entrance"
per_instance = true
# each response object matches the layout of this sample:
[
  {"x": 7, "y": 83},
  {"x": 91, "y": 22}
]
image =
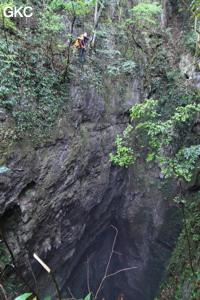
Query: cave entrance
[{"x": 87, "y": 276}]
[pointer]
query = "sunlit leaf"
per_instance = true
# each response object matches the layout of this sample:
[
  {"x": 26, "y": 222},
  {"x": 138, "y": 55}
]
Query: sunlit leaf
[
  {"x": 87, "y": 297},
  {"x": 24, "y": 296}
]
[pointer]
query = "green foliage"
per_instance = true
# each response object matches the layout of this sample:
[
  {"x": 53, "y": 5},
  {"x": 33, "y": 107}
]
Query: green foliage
[
  {"x": 180, "y": 282},
  {"x": 113, "y": 70},
  {"x": 128, "y": 66},
  {"x": 124, "y": 156},
  {"x": 6, "y": 22},
  {"x": 50, "y": 17},
  {"x": 31, "y": 70},
  {"x": 117, "y": 65},
  {"x": 79, "y": 6},
  {"x": 145, "y": 11},
  {"x": 189, "y": 41},
  {"x": 194, "y": 7},
  {"x": 76, "y": 7},
  {"x": 27, "y": 295},
  {"x": 50, "y": 24},
  {"x": 162, "y": 142},
  {"x": 108, "y": 53},
  {"x": 87, "y": 297},
  {"x": 24, "y": 296},
  {"x": 30, "y": 90},
  {"x": 4, "y": 260}
]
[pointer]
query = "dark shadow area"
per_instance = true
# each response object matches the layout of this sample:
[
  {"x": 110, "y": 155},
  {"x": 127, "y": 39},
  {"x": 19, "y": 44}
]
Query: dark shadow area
[
  {"x": 27, "y": 189},
  {"x": 196, "y": 186},
  {"x": 90, "y": 270}
]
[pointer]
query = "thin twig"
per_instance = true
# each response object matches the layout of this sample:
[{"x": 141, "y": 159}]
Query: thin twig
[
  {"x": 36, "y": 284},
  {"x": 106, "y": 275},
  {"x": 50, "y": 273},
  {"x": 4, "y": 293},
  {"x": 112, "y": 250},
  {"x": 88, "y": 276},
  {"x": 56, "y": 285},
  {"x": 88, "y": 273},
  {"x": 15, "y": 266},
  {"x": 117, "y": 252},
  {"x": 71, "y": 293},
  {"x": 126, "y": 269}
]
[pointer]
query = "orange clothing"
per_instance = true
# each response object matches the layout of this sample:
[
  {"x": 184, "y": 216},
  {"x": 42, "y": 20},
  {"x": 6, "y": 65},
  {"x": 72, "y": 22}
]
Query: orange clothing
[{"x": 80, "y": 42}]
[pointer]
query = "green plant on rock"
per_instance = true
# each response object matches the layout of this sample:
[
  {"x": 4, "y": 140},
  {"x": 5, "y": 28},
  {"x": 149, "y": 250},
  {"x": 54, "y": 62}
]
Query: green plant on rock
[
  {"x": 193, "y": 8},
  {"x": 5, "y": 23},
  {"x": 30, "y": 91},
  {"x": 124, "y": 156},
  {"x": 163, "y": 139},
  {"x": 139, "y": 33},
  {"x": 144, "y": 13},
  {"x": 128, "y": 66},
  {"x": 143, "y": 18},
  {"x": 180, "y": 282},
  {"x": 50, "y": 28}
]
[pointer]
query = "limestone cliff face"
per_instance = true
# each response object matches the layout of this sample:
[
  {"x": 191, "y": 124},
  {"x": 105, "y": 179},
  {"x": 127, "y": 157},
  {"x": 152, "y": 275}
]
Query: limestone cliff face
[{"x": 60, "y": 198}]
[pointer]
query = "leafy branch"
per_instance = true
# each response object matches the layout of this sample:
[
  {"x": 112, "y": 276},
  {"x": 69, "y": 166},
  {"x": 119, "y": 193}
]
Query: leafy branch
[
  {"x": 162, "y": 139},
  {"x": 162, "y": 145}
]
